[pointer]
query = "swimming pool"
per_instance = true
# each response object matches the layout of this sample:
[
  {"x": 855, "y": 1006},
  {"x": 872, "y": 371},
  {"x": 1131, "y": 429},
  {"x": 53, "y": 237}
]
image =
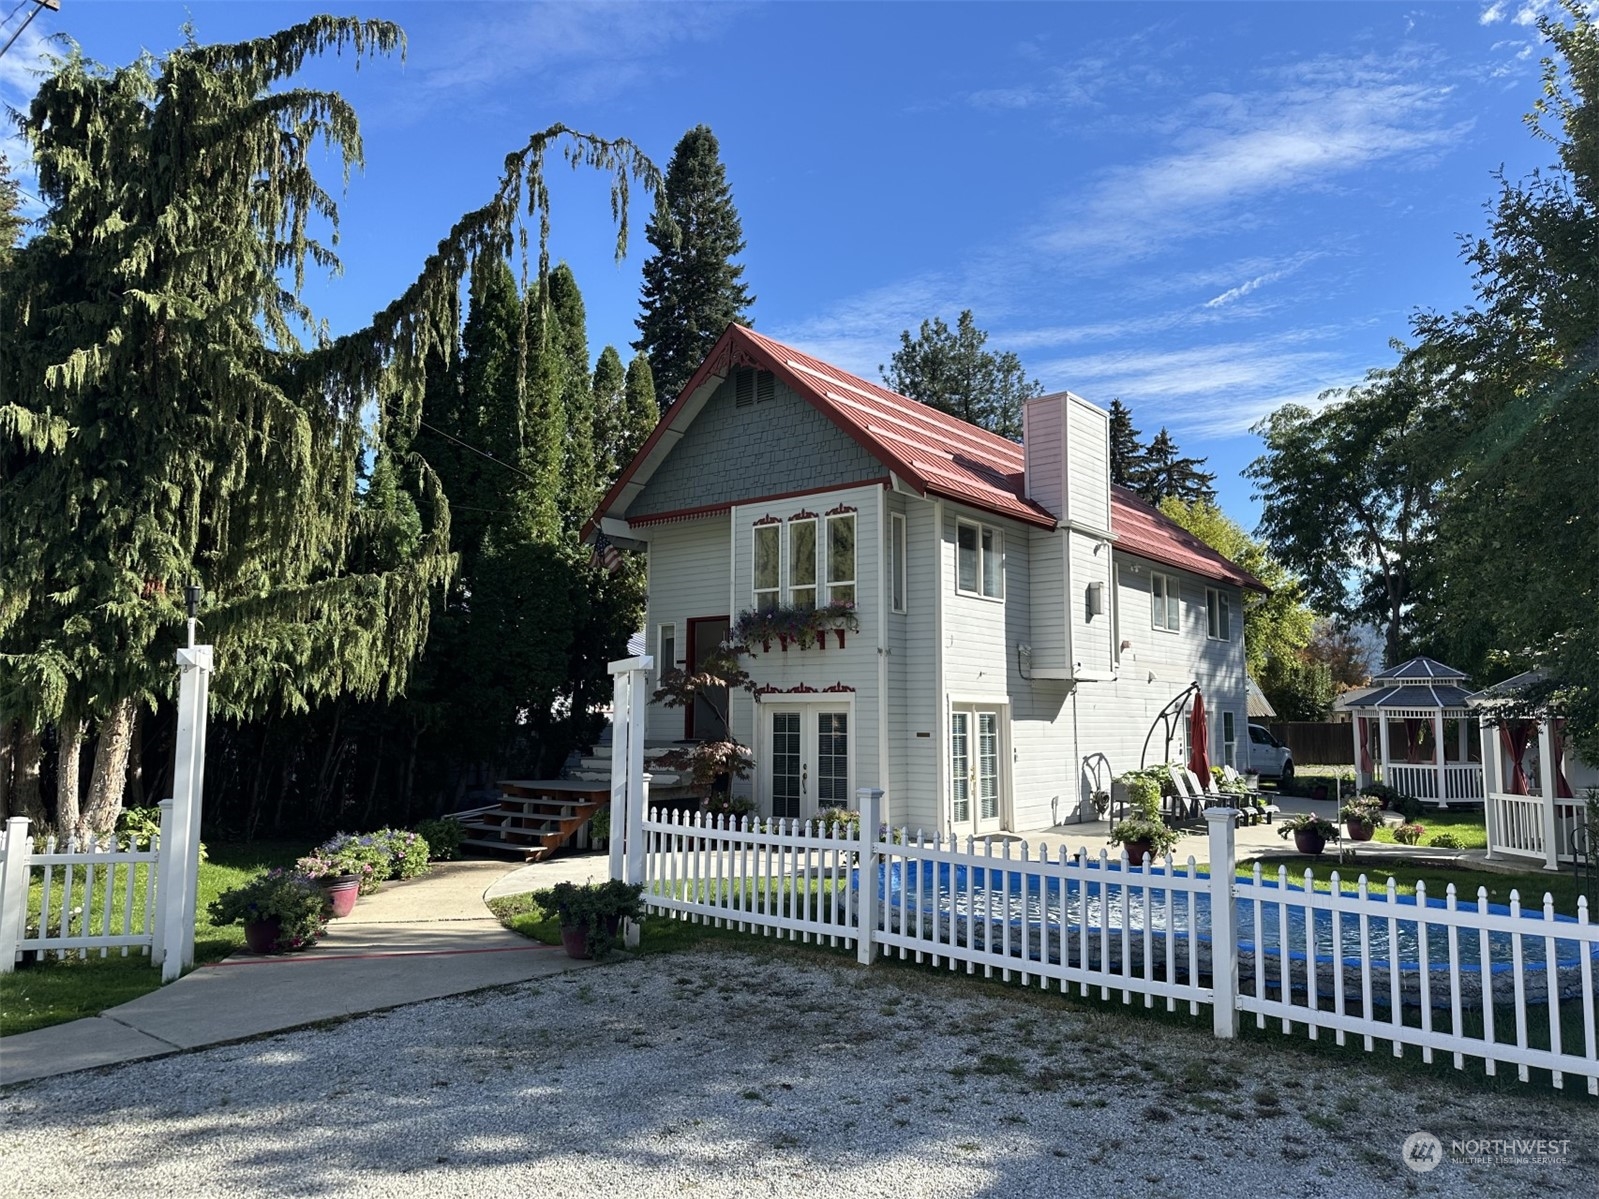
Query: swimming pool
[{"x": 1085, "y": 918}]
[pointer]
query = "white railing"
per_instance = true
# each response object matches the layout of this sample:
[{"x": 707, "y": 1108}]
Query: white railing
[
  {"x": 751, "y": 873},
  {"x": 1500, "y": 985},
  {"x": 78, "y": 898},
  {"x": 1457, "y": 781},
  {"x": 1518, "y": 826}
]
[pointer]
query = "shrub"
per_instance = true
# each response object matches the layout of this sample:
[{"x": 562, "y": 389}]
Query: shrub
[
  {"x": 837, "y": 822},
  {"x": 367, "y": 858},
  {"x": 1410, "y": 834},
  {"x": 138, "y": 826},
  {"x": 298, "y": 905},
  {"x": 1446, "y": 840},
  {"x": 443, "y": 838},
  {"x": 600, "y": 825},
  {"x": 408, "y": 851},
  {"x": 596, "y": 907}
]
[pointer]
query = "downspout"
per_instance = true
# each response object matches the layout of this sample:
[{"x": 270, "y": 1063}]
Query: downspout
[
  {"x": 886, "y": 543},
  {"x": 941, "y": 715}
]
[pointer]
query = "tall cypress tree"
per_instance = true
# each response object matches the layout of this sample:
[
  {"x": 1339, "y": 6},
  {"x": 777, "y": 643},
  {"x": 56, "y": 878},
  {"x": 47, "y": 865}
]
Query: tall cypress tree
[
  {"x": 609, "y": 387},
  {"x": 640, "y": 409},
  {"x": 692, "y": 287},
  {"x": 1127, "y": 455},
  {"x": 580, "y": 494}
]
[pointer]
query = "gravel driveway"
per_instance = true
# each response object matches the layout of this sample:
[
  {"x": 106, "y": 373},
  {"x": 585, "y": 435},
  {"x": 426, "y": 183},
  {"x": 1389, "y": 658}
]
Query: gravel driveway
[{"x": 723, "y": 1072}]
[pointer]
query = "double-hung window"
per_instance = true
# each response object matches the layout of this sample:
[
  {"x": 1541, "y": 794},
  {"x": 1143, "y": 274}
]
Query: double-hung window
[
  {"x": 1229, "y": 739},
  {"x": 841, "y": 558},
  {"x": 896, "y": 561},
  {"x": 768, "y": 564},
  {"x": 1218, "y": 615},
  {"x": 802, "y": 563},
  {"x": 1164, "y": 612},
  {"x": 979, "y": 560}
]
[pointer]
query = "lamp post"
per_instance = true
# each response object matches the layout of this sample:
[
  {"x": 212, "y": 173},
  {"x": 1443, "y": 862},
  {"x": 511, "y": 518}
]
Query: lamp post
[{"x": 191, "y": 598}]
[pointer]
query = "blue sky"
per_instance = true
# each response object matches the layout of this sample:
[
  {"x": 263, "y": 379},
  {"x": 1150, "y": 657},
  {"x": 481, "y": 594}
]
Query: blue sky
[{"x": 1205, "y": 209}]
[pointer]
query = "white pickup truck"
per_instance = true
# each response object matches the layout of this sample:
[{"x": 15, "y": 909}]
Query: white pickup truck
[{"x": 1269, "y": 757}]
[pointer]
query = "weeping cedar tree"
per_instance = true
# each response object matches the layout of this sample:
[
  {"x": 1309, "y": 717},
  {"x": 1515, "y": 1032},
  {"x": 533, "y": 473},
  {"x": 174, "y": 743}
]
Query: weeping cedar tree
[
  {"x": 163, "y": 423},
  {"x": 693, "y": 290},
  {"x": 951, "y": 371},
  {"x": 1518, "y": 526}
]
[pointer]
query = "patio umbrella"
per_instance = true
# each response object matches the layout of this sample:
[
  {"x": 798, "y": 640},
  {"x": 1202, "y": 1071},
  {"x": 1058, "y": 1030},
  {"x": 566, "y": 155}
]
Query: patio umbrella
[{"x": 1199, "y": 749}]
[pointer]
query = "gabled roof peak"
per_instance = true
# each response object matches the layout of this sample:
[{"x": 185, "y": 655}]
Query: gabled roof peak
[{"x": 1419, "y": 668}]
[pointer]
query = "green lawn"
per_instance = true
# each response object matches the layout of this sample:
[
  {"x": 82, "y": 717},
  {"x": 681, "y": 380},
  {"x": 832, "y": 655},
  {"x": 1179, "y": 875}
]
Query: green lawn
[
  {"x": 1531, "y": 885},
  {"x": 1466, "y": 824},
  {"x": 57, "y": 991}
]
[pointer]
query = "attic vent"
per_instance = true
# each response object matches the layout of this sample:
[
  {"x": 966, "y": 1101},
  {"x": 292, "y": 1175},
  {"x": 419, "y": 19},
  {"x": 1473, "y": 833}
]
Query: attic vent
[{"x": 752, "y": 386}]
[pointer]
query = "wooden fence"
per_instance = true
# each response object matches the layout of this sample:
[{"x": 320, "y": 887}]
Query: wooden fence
[
  {"x": 1504, "y": 986},
  {"x": 1316, "y": 742}
]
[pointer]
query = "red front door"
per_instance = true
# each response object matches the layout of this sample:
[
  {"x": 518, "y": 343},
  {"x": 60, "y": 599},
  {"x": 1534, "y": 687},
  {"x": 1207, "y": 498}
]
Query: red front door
[{"x": 706, "y": 718}]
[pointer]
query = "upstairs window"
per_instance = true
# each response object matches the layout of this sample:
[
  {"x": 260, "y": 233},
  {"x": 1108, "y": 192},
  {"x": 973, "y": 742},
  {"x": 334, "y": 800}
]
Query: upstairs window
[
  {"x": 896, "y": 562},
  {"x": 1164, "y": 612},
  {"x": 979, "y": 560},
  {"x": 802, "y": 563},
  {"x": 841, "y": 558},
  {"x": 1218, "y": 615},
  {"x": 767, "y": 565}
]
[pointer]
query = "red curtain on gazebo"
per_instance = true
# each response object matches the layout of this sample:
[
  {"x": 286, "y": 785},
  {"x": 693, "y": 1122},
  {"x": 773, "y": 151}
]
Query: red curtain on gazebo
[
  {"x": 1557, "y": 745},
  {"x": 1365, "y": 745},
  {"x": 1199, "y": 743},
  {"x": 1513, "y": 738},
  {"x": 1412, "y": 739}
]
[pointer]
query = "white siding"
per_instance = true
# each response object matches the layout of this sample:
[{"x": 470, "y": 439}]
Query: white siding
[
  {"x": 1044, "y": 440},
  {"x": 1088, "y": 464},
  {"x": 688, "y": 566}
]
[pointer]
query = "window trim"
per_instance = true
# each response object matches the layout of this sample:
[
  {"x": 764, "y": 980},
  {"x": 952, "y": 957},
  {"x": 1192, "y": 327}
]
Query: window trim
[
  {"x": 1171, "y": 597},
  {"x": 662, "y": 666},
  {"x": 1229, "y": 744},
  {"x": 982, "y": 554},
  {"x": 815, "y": 584},
  {"x": 1218, "y": 615},
  {"x": 776, "y": 593},
  {"x": 897, "y": 576}
]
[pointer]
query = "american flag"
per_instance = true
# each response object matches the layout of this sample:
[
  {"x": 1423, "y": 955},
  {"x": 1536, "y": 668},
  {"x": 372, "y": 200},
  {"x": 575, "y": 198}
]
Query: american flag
[{"x": 605, "y": 556}]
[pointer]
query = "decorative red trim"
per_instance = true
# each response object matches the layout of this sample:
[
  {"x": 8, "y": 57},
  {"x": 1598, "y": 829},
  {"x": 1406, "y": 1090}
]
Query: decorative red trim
[
  {"x": 768, "y": 689},
  {"x": 838, "y": 688},
  {"x": 803, "y": 514},
  {"x": 842, "y": 509},
  {"x": 801, "y": 689},
  {"x": 767, "y": 520},
  {"x": 666, "y": 518}
]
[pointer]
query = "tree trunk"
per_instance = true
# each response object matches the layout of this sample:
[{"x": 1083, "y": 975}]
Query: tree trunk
[
  {"x": 68, "y": 752},
  {"x": 25, "y": 797},
  {"x": 110, "y": 769},
  {"x": 8, "y": 740},
  {"x": 135, "y": 797}
]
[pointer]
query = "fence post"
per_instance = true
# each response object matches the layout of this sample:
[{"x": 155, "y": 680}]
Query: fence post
[
  {"x": 156, "y": 915},
  {"x": 13, "y": 890},
  {"x": 870, "y": 802},
  {"x": 1223, "y": 922},
  {"x": 188, "y": 787},
  {"x": 627, "y": 755},
  {"x": 1546, "y": 788},
  {"x": 634, "y": 864}
]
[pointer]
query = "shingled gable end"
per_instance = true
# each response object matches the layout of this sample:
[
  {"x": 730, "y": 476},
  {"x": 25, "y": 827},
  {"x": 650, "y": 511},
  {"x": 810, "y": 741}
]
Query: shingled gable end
[{"x": 1022, "y": 622}]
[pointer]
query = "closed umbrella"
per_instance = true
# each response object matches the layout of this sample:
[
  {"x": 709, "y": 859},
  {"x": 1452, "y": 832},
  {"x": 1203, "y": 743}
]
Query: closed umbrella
[{"x": 1199, "y": 750}]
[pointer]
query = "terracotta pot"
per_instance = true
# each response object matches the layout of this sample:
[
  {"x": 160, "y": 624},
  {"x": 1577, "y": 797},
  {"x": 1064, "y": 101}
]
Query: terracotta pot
[
  {"x": 342, "y": 893},
  {"x": 1136, "y": 851},
  {"x": 575, "y": 938},
  {"x": 1359, "y": 830},
  {"x": 262, "y": 935},
  {"x": 1309, "y": 841},
  {"x": 1319, "y": 791}
]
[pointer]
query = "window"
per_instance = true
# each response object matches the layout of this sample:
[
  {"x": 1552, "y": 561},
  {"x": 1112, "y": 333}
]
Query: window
[
  {"x": 896, "y": 561},
  {"x": 979, "y": 555},
  {"x": 1218, "y": 615},
  {"x": 768, "y": 563},
  {"x": 1163, "y": 610},
  {"x": 665, "y": 651},
  {"x": 802, "y": 563},
  {"x": 1229, "y": 739},
  {"x": 841, "y": 558}
]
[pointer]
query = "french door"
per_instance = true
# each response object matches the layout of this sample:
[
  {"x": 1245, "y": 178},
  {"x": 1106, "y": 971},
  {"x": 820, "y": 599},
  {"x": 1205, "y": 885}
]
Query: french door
[
  {"x": 976, "y": 737},
  {"x": 807, "y": 759}
]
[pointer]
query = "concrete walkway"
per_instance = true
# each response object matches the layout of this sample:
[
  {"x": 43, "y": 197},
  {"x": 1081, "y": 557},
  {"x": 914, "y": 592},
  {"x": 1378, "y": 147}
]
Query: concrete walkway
[{"x": 414, "y": 940}]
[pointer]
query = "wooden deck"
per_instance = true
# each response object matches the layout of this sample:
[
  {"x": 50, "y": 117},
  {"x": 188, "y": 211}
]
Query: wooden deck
[{"x": 535, "y": 817}]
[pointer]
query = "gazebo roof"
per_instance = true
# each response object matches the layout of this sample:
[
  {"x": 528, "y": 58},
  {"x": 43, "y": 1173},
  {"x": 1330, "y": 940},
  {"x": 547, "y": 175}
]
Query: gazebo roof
[
  {"x": 1420, "y": 670},
  {"x": 1411, "y": 695}
]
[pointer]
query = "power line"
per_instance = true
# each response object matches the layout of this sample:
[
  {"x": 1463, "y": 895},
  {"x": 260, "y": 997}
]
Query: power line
[
  {"x": 481, "y": 453},
  {"x": 14, "y": 12},
  {"x": 52, "y": 5}
]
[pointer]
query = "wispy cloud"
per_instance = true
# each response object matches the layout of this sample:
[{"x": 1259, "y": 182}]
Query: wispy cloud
[
  {"x": 1233, "y": 294},
  {"x": 20, "y": 72}
]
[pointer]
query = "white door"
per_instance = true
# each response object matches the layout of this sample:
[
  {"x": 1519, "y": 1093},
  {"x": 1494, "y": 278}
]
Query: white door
[
  {"x": 976, "y": 787},
  {"x": 807, "y": 760}
]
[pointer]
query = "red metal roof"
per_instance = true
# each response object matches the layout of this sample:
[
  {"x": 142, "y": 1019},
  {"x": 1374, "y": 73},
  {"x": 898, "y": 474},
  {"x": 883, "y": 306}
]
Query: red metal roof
[{"x": 935, "y": 453}]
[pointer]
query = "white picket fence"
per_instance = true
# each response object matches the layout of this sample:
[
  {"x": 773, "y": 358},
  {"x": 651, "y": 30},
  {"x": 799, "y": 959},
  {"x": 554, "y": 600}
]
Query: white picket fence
[
  {"x": 1510, "y": 987},
  {"x": 80, "y": 898}
]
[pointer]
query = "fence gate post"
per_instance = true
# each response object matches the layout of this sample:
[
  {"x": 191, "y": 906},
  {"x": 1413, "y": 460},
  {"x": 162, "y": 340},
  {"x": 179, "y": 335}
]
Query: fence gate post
[
  {"x": 870, "y": 802},
  {"x": 188, "y": 783},
  {"x": 1223, "y": 922},
  {"x": 13, "y": 890},
  {"x": 627, "y": 759},
  {"x": 621, "y": 714},
  {"x": 156, "y": 915}
]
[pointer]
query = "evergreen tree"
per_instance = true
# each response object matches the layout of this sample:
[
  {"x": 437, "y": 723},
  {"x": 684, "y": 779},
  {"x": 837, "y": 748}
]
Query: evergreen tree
[
  {"x": 581, "y": 477},
  {"x": 161, "y": 424},
  {"x": 951, "y": 371},
  {"x": 609, "y": 386},
  {"x": 1127, "y": 454},
  {"x": 1166, "y": 474},
  {"x": 11, "y": 218},
  {"x": 640, "y": 410},
  {"x": 692, "y": 288}
]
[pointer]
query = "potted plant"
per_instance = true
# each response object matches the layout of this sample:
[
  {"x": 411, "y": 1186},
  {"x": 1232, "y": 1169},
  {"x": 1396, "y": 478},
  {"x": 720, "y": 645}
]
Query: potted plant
[
  {"x": 281, "y": 911},
  {"x": 1318, "y": 790},
  {"x": 1361, "y": 816},
  {"x": 713, "y": 765},
  {"x": 600, "y": 828},
  {"x": 1309, "y": 831},
  {"x": 591, "y": 915},
  {"x": 1144, "y": 833},
  {"x": 339, "y": 877},
  {"x": 368, "y": 858}
]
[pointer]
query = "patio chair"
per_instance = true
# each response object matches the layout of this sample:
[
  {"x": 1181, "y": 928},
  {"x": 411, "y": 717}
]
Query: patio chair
[
  {"x": 1233, "y": 778},
  {"x": 1186, "y": 805}
]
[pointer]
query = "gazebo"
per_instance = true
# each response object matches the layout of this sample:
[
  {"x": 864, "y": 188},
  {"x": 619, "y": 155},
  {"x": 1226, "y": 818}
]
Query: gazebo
[
  {"x": 1407, "y": 711},
  {"x": 1531, "y": 775}
]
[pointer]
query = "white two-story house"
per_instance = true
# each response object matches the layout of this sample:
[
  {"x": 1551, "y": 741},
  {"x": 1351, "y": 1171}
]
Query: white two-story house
[{"x": 1019, "y": 616}]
